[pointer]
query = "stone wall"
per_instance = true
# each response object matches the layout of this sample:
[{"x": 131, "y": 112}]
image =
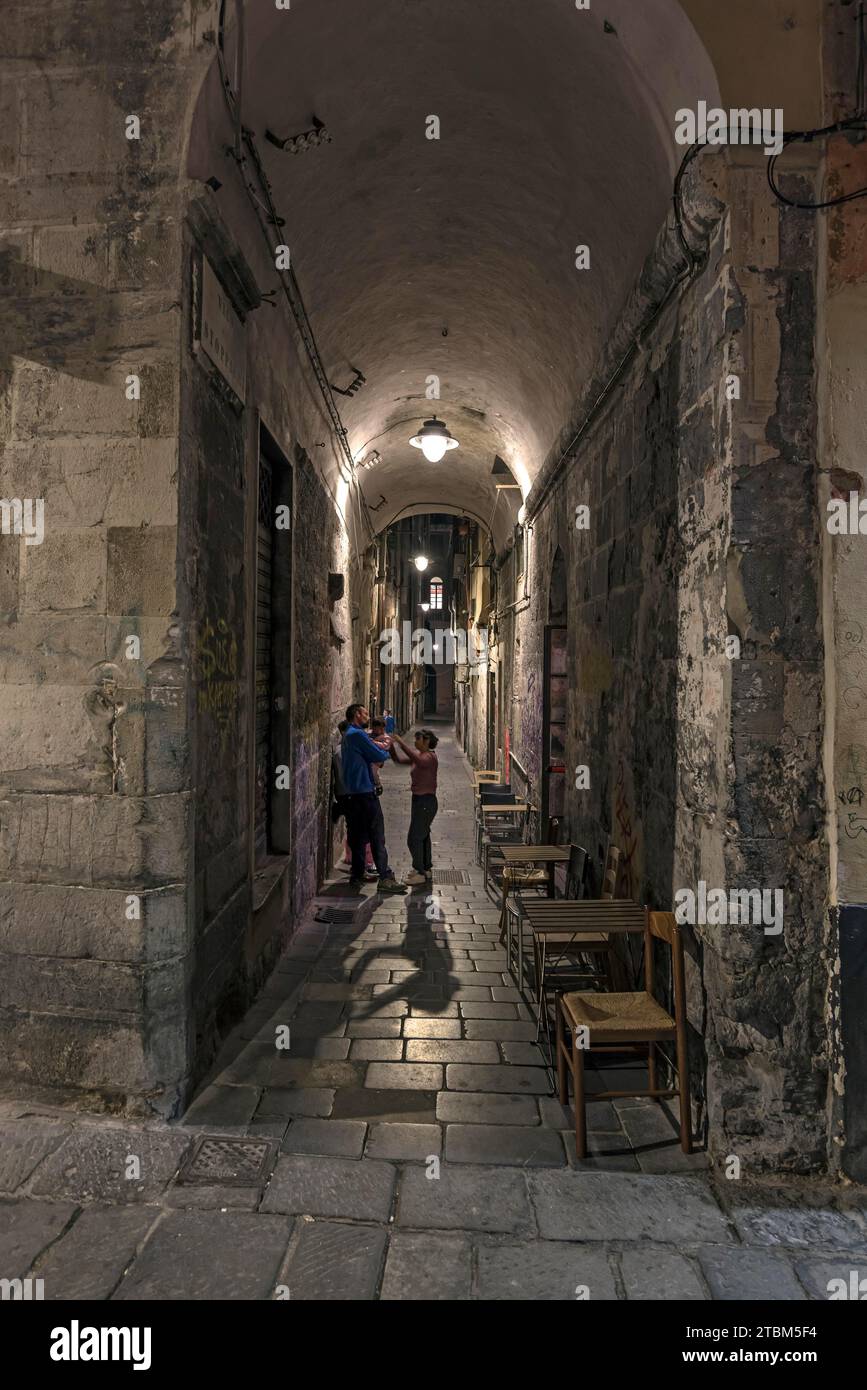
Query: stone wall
[
  {"x": 705, "y": 763},
  {"x": 95, "y": 814},
  {"x": 128, "y": 929}
]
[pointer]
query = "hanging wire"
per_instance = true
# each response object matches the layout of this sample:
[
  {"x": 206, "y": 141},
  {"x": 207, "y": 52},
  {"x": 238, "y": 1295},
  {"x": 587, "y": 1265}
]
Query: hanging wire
[{"x": 856, "y": 122}]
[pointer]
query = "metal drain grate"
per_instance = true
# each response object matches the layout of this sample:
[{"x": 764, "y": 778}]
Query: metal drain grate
[
  {"x": 450, "y": 876},
  {"x": 337, "y": 917},
  {"x": 229, "y": 1162}
]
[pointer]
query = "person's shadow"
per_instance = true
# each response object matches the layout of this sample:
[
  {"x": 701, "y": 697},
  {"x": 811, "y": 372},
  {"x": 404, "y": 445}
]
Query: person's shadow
[{"x": 432, "y": 985}]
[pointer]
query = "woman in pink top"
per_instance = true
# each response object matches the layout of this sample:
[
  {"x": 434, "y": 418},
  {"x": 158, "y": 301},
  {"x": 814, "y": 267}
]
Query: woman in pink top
[{"x": 423, "y": 780}]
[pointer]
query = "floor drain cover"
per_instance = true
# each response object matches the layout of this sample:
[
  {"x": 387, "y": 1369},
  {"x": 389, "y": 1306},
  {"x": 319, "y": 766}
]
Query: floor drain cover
[
  {"x": 336, "y": 916},
  {"x": 229, "y": 1162},
  {"x": 450, "y": 876}
]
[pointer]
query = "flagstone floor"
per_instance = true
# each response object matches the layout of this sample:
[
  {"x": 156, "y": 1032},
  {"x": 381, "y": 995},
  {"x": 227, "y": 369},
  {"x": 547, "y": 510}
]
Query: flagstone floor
[{"x": 410, "y": 1143}]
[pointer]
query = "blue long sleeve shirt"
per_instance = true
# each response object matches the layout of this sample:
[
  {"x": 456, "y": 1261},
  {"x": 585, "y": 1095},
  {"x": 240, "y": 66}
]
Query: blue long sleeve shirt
[{"x": 359, "y": 751}]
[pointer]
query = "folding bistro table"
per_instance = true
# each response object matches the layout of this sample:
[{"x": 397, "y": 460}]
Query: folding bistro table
[{"x": 514, "y": 856}]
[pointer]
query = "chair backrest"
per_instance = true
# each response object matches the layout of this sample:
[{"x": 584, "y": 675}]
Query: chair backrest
[
  {"x": 575, "y": 871},
  {"x": 495, "y": 792},
  {"x": 663, "y": 926},
  {"x": 609, "y": 877}
]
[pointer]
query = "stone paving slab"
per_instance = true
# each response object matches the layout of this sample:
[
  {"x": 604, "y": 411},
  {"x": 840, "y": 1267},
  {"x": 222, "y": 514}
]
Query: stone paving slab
[
  {"x": 271, "y": 1069},
  {"x": 472, "y": 1107},
  {"x": 472, "y": 1199},
  {"x": 500, "y": 1030},
  {"x": 524, "y": 1145},
  {"x": 468, "y": 1077},
  {"x": 92, "y": 1162},
  {"x": 209, "y": 1255},
  {"x": 816, "y": 1275},
  {"x": 403, "y": 1076},
  {"x": 620, "y": 1206},
  {"x": 424, "y": 1011},
  {"x": 376, "y": 1028},
  {"x": 446, "y": 1050},
  {"x": 334, "y": 1262},
  {"x": 652, "y": 1273},
  {"x": 26, "y": 1228},
  {"x": 205, "y": 1196},
  {"x": 91, "y": 1257},
  {"x": 394, "y": 1008},
  {"x": 218, "y": 1106},
  {"x": 804, "y": 1227},
  {"x": 355, "y": 1189},
  {"x": 283, "y": 1105},
  {"x": 23, "y": 1146},
  {"x": 339, "y": 1138},
  {"x": 609, "y": 1153},
  {"x": 740, "y": 1273},
  {"x": 600, "y": 1117},
  {"x": 408, "y": 1107},
  {"x": 427, "y": 1267},
  {"x": 377, "y": 1050},
  {"x": 432, "y": 1028},
  {"x": 489, "y": 1010},
  {"x": 404, "y": 1142},
  {"x": 522, "y": 1054},
  {"x": 545, "y": 1271}
]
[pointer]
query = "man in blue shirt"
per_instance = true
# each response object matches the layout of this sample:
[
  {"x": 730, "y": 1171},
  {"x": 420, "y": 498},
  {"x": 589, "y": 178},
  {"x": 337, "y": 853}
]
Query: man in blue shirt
[
  {"x": 389, "y": 722},
  {"x": 364, "y": 819}
]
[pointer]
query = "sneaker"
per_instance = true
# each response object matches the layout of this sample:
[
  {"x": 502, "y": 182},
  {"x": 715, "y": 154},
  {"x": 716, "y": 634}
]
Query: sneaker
[
  {"x": 371, "y": 875},
  {"x": 428, "y": 873},
  {"x": 415, "y": 878},
  {"x": 391, "y": 885}
]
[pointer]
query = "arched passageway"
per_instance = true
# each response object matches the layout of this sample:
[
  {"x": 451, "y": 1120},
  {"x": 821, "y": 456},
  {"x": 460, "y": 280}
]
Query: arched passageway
[{"x": 652, "y": 377}]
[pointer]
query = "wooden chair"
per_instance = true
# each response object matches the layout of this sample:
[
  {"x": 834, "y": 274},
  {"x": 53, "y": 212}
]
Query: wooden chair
[
  {"x": 515, "y": 880},
  {"x": 626, "y": 1022},
  {"x": 580, "y": 954}
]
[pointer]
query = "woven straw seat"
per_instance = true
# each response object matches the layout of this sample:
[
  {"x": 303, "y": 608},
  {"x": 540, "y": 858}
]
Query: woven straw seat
[
  {"x": 524, "y": 877},
  {"x": 635, "y": 1016},
  {"x": 615, "y": 1022}
]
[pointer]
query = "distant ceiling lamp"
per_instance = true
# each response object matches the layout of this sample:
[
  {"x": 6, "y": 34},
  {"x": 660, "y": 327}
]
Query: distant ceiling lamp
[
  {"x": 425, "y": 607},
  {"x": 421, "y": 563},
  {"x": 434, "y": 440}
]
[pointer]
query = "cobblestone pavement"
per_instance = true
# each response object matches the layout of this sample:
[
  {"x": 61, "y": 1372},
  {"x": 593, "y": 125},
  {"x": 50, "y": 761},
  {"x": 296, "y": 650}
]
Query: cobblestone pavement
[{"x": 404, "y": 1146}]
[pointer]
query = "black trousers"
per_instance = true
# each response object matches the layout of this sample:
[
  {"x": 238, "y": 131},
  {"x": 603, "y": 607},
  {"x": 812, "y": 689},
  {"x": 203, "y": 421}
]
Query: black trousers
[
  {"x": 364, "y": 824},
  {"x": 424, "y": 808}
]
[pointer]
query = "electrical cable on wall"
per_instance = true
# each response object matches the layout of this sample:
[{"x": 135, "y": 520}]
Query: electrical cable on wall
[
  {"x": 856, "y": 122},
  {"x": 244, "y": 139}
]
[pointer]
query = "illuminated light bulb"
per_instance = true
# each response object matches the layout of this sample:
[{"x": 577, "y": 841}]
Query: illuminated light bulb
[
  {"x": 434, "y": 440},
  {"x": 421, "y": 563}
]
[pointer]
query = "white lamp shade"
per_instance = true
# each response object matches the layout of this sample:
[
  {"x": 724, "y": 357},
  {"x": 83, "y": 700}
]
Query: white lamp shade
[{"x": 434, "y": 440}]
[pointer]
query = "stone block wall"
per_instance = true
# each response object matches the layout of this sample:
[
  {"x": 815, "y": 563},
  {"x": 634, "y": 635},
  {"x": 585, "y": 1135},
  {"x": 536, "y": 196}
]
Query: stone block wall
[
  {"x": 95, "y": 807},
  {"x": 704, "y": 525}
]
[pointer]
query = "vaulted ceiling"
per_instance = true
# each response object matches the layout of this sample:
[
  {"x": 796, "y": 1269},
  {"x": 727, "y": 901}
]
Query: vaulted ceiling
[{"x": 455, "y": 257}]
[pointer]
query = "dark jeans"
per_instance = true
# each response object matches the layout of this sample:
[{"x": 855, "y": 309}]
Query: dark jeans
[
  {"x": 365, "y": 825},
  {"x": 424, "y": 808}
]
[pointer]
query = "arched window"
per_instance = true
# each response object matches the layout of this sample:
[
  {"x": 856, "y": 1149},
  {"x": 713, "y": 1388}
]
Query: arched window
[{"x": 436, "y": 593}]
